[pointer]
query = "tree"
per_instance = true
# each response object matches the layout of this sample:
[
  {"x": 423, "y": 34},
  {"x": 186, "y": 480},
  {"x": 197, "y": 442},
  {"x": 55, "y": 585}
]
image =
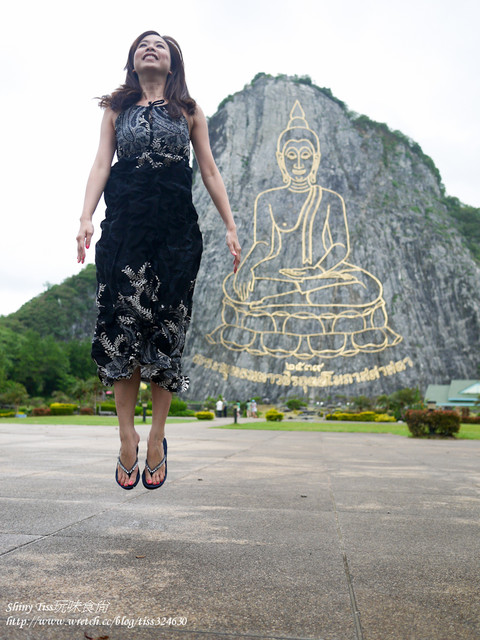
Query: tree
[
  {"x": 41, "y": 365},
  {"x": 295, "y": 404},
  {"x": 14, "y": 394},
  {"x": 9, "y": 341},
  {"x": 210, "y": 402},
  {"x": 362, "y": 403},
  {"x": 383, "y": 402},
  {"x": 60, "y": 396},
  {"x": 80, "y": 390},
  {"x": 95, "y": 387},
  {"x": 399, "y": 401},
  {"x": 80, "y": 359}
]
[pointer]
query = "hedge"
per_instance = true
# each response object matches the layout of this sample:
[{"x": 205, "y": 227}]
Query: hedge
[
  {"x": 384, "y": 417},
  {"x": 422, "y": 423},
  {"x": 470, "y": 419},
  {"x": 62, "y": 409},
  {"x": 41, "y": 411},
  {"x": 365, "y": 416},
  {"x": 108, "y": 406}
]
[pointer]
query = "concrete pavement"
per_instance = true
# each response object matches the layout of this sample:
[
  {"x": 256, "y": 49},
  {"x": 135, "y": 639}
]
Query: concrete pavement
[{"x": 255, "y": 535}]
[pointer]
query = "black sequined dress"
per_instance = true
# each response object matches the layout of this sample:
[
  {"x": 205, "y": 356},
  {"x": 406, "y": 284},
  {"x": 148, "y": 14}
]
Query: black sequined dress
[{"x": 149, "y": 252}]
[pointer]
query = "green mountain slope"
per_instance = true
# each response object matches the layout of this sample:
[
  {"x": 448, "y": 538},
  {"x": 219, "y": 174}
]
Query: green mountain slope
[{"x": 66, "y": 311}]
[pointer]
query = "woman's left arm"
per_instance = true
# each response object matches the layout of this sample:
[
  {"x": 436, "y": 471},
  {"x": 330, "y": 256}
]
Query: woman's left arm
[{"x": 213, "y": 180}]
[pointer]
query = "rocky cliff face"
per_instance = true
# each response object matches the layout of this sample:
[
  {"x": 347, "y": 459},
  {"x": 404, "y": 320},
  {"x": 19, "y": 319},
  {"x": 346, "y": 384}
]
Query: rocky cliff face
[{"x": 352, "y": 282}]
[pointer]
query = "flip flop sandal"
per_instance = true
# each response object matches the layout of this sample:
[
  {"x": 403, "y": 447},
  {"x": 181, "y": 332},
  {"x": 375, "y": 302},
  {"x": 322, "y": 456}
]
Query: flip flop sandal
[
  {"x": 152, "y": 471},
  {"x": 128, "y": 472}
]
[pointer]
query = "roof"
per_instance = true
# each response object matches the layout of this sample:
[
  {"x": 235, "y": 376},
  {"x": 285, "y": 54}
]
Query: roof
[{"x": 460, "y": 393}]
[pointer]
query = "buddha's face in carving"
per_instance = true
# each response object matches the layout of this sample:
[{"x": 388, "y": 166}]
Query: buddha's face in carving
[
  {"x": 298, "y": 158},
  {"x": 298, "y": 161}
]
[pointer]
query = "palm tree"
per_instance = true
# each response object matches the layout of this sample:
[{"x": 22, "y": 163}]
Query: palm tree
[
  {"x": 80, "y": 391},
  {"x": 94, "y": 387}
]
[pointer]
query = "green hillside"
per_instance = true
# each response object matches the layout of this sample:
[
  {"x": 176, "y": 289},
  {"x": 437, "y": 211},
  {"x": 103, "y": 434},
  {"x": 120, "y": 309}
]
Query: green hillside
[
  {"x": 66, "y": 311},
  {"x": 45, "y": 345}
]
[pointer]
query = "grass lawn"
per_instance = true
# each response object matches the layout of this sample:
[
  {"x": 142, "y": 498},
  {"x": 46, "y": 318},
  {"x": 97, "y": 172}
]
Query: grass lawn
[
  {"x": 467, "y": 431},
  {"x": 84, "y": 420}
]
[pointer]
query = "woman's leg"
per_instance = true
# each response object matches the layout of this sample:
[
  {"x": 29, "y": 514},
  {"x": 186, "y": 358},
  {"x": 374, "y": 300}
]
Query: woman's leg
[
  {"x": 161, "y": 400},
  {"x": 126, "y": 392}
]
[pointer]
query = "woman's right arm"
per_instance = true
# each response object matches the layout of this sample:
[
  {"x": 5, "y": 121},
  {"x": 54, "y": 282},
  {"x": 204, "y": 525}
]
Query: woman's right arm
[{"x": 96, "y": 182}]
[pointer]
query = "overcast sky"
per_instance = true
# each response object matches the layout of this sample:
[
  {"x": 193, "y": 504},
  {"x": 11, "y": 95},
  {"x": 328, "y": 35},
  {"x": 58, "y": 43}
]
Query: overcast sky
[{"x": 412, "y": 64}]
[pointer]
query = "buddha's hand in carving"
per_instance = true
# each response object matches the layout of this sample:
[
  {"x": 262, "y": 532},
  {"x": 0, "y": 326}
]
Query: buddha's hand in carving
[
  {"x": 243, "y": 283},
  {"x": 305, "y": 273}
]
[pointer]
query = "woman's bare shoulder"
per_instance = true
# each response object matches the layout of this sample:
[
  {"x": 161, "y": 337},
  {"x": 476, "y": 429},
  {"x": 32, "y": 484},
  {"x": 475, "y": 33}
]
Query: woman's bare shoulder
[
  {"x": 109, "y": 117},
  {"x": 195, "y": 119}
]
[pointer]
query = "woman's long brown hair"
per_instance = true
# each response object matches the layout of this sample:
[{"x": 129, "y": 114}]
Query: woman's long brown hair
[{"x": 176, "y": 91}]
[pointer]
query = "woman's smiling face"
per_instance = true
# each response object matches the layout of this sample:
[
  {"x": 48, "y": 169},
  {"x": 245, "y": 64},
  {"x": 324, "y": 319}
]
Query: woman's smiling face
[{"x": 152, "y": 53}]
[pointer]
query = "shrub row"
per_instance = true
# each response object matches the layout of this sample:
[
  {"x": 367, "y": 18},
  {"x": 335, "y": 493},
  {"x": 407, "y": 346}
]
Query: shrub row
[
  {"x": 384, "y": 417},
  {"x": 62, "y": 409},
  {"x": 470, "y": 419},
  {"x": 365, "y": 416},
  {"x": 41, "y": 411},
  {"x": 177, "y": 408},
  {"x": 423, "y": 423}
]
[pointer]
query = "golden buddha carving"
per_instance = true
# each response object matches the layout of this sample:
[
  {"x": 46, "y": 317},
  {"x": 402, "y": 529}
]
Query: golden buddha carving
[{"x": 310, "y": 301}]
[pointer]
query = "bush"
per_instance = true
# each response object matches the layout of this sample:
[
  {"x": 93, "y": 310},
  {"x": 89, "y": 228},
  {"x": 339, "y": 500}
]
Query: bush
[
  {"x": 470, "y": 419},
  {"x": 62, "y": 409},
  {"x": 41, "y": 411},
  {"x": 422, "y": 423},
  {"x": 177, "y": 406},
  {"x": 139, "y": 411},
  {"x": 7, "y": 414},
  {"x": 384, "y": 417},
  {"x": 108, "y": 406},
  {"x": 272, "y": 415},
  {"x": 365, "y": 416},
  {"x": 204, "y": 415},
  {"x": 86, "y": 411},
  {"x": 210, "y": 402}
]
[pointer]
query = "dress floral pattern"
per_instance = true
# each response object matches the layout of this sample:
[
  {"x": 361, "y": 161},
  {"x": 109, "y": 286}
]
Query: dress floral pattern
[{"x": 149, "y": 252}]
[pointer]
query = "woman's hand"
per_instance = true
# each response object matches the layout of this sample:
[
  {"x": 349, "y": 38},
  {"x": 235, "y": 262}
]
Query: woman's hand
[
  {"x": 84, "y": 238},
  {"x": 234, "y": 246},
  {"x": 243, "y": 283}
]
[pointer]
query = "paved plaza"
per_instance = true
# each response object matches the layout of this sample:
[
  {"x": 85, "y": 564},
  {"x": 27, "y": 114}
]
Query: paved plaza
[{"x": 255, "y": 535}]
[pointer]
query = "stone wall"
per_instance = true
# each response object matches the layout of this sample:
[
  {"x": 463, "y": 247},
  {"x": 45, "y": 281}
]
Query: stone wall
[{"x": 355, "y": 282}]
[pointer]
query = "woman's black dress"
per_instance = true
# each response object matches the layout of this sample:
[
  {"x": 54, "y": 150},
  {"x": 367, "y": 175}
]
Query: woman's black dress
[{"x": 149, "y": 252}]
